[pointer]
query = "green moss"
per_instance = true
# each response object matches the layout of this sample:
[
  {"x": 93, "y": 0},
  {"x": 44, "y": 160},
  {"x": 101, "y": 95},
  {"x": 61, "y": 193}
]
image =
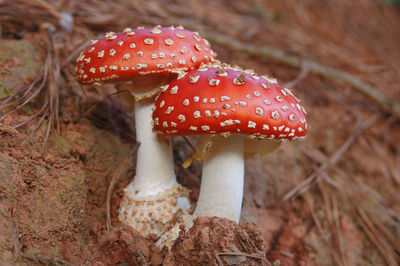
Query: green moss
[
  {"x": 23, "y": 62},
  {"x": 32, "y": 251},
  {"x": 5, "y": 91},
  {"x": 55, "y": 252},
  {"x": 62, "y": 145}
]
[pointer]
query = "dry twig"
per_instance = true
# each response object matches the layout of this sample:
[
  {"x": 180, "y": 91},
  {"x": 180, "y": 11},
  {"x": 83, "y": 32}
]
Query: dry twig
[{"x": 304, "y": 186}]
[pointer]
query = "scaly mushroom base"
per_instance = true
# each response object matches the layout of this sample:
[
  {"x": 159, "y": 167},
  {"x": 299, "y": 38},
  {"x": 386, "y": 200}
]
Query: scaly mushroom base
[
  {"x": 153, "y": 200},
  {"x": 155, "y": 216}
]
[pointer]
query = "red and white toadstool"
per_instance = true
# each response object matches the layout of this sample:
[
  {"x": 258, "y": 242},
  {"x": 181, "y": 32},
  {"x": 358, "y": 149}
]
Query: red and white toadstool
[
  {"x": 229, "y": 104},
  {"x": 145, "y": 60}
]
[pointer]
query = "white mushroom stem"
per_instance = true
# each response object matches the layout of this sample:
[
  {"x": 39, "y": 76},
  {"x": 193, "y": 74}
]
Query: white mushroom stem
[
  {"x": 154, "y": 167},
  {"x": 221, "y": 190}
]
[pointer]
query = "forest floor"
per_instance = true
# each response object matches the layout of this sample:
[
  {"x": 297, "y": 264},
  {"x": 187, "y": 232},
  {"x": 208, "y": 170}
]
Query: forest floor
[{"x": 331, "y": 199}]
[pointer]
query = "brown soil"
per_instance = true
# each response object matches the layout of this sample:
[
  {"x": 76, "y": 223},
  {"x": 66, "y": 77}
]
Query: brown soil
[
  {"x": 53, "y": 192},
  {"x": 214, "y": 240}
]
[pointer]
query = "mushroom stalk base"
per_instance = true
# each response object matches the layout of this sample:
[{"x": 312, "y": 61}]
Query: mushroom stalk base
[
  {"x": 221, "y": 190},
  {"x": 152, "y": 201}
]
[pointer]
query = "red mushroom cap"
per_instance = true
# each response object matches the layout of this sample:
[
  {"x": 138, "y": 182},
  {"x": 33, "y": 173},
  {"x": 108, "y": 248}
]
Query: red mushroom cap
[
  {"x": 135, "y": 52},
  {"x": 224, "y": 100}
]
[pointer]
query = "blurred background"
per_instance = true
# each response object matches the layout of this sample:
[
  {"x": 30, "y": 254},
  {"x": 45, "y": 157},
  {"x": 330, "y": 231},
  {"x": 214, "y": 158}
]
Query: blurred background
[{"x": 332, "y": 199}]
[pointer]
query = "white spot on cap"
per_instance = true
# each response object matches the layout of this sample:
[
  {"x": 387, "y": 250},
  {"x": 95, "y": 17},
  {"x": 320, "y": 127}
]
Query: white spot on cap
[
  {"x": 91, "y": 49},
  {"x": 292, "y": 117},
  {"x": 193, "y": 128},
  {"x": 196, "y": 37},
  {"x": 196, "y": 114},
  {"x": 141, "y": 66},
  {"x": 205, "y": 128},
  {"x": 194, "y": 59},
  {"x": 281, "y": 128},
  {"x": 126, "y": 56},
  {"x": 112, "y": 52},
  {"x": 285, "y": 108},
  {"x": 154, "y": 56},
  {"x": 213, "y": 82},
  {"x": 169, "y": 110},
  {"x": 266, "y": 86},
  {"x": 102, "y": 69},
  {"x": 204, "y": 100},
  {"x": 225, "y": 98},
  {"x": 194, "y": 79},
  {"x": 161, "y": 55},
  {"x": 216, "y": 113},
  {"x": 174, "y": 89},
  {"x": 184, "y": 50},
  {"x": 182, "y": 62},
  {"x": 197, "y": 47},
  {"x": 100, "y": 54},
  {"x": 278, "y": 98},
  {"x": 208, "y": 113},
  {"x": 180, "y": 35},
  {"x": 127, "y": 30},
  {"x": 140, "y": 53},
  {"x": 148, "y": 41},
  {"x": 196, "y": 99},
  {"x": 173, "y": 124},
  {"x": 156, "y": 30},
  {"x": 265, "y": 127},
  {"x": 186, "y": 102},
  {"x": 242, "y": 103},
  {"x": 266, "y": 101},
  {"x": 92, "y": 70},
  {"x": 165, "y": 124},
  {"x": 300, "y": 129},
  {"x": 162, "y": 103},
  {"x": 111, "y": 35},
  {"x": 259, "y": 111},
  {"x": 169, "y": 42},
  {"x": 256, "y": 93},
  {"x": 181, "y": 75},
  {"x": 113, "y": 67},
  {"x": 120, "y": 43},
  {"x": 212, "y": 100},
  {"x": 160, "y": 66},
  {"x": 226, "y": 106},
  {"x": 181, "y": 118},
  {"x": 275, "y": 115},
  {"x": 132, "y": 45},
  {"x": 251, "y": 124}
]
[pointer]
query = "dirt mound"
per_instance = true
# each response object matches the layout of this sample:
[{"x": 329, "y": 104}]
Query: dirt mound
[
  {"x": 214, "y": 240},
  {"x": 125, "y": 245}
]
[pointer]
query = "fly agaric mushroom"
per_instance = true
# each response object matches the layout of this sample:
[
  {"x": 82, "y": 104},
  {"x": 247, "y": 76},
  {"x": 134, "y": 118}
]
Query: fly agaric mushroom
[
  {"x": 228, "y": 104},
  {"x": 145, "y": 60}
]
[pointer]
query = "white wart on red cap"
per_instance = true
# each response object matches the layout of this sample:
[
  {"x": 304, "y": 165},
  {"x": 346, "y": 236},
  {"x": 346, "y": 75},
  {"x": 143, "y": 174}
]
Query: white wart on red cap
[
  {"x": 141, "y": 51},
  {"x": 225, "y": 100}
]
